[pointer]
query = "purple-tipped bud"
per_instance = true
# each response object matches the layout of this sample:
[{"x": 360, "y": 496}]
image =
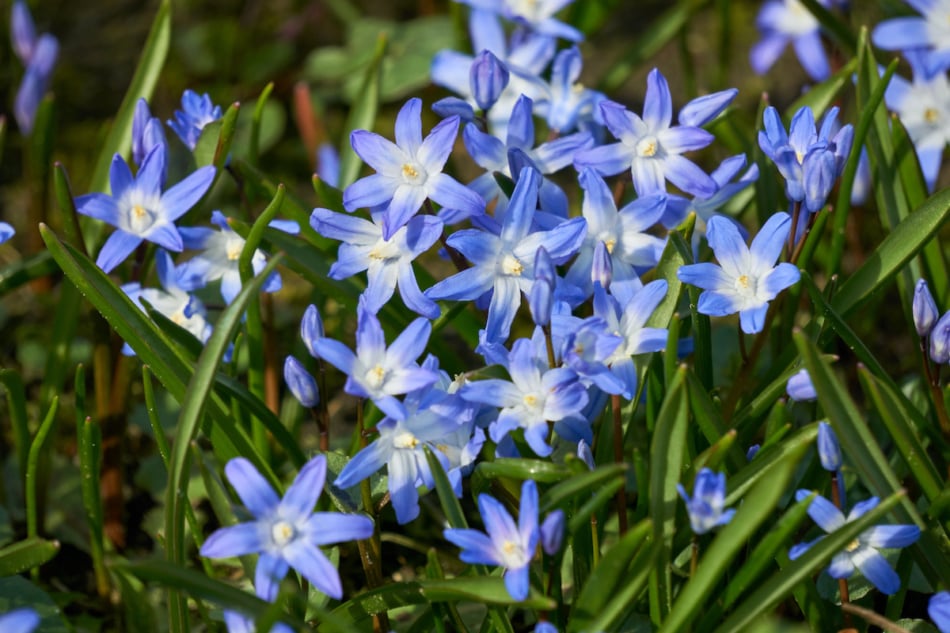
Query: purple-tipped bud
[
  {"x": 603, "y": 268},
  {"x": 702, "y": 110},
  {"x": 585, "y": 454},
  {"x": 22, "y": 31},
  {"x": 800, "y": 388},
  {"x": 940, "y": 340},
  {"x": 453, "y": 106},
  {"x": 925, "y": 309},
  {"x": 301, "y": 383},
  {"x": 541, "y": 296},
  {"x": 752, "y": 452},
  {"x": 488, "y": 78},
  {"x": 311, "y": 329},
  {"x": 552, "y": 532},
  {"x": 328, "y": 164},
  {"x": 829, "y": 451}
]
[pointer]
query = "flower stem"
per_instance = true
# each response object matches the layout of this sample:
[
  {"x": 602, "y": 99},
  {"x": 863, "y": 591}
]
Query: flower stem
[
  {"x": 371, "y": 548},
  {"x": 842, "y": 582},
  {"x": 615, "y": 405},
  {"x": 694, "y": 556},
  {"x": 874, "y": 618}
]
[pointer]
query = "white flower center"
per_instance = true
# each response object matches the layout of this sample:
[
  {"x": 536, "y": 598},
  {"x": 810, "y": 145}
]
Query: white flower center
[
  {"x": 513, "y": 555},
  {"x": 931, "y": 115},
  {"x": 511, "y": 265},
  {"x": 233, "y": 249},
  {"x": 384, "y": 249},
  {"x": 746, "y": 285},
  {"x": 413, "y": 173},
  {"x": 647, "y": 147},
  {"x": 853, "y": 545},
  {"x": 405, "y": 440},
  {"x": 376, "y": 376},
  {"x": 140, "y": 219},
  {"x": 283, "y": 533}
]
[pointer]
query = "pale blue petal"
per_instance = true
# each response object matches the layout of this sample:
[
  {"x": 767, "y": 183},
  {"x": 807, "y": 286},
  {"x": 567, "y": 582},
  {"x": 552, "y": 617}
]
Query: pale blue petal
[
  {"x": 606, "y": 160},
  {"x": 876, "y": 569},
  {"x": 365, "y": 463},
  {"x": 477, "y": 548},
  {"x": 407, "y": 199},
  {"x": 410, "y": 344},
  {"x": 811, "y": 53},
  {"x": 677, "y": 140},
  {"x": 236, "y": 540},
  {"x": 119, "y": 246},
  {"x": 451, "y": 194},
  {"x": 752, "y": 320},
  {"x": 686, "y": 175},
  {"x": 270, "y": 571},
  {"x": 255, "y": 493},
  {"x": 891, "y": 535},
  {"x": 325, "y": 528},
  {"x": 658, "y": 103},
  {"x": 718, "y": 304},
  {"x": 901, "y": 33},
  {"x": 379, "y": 153},
  {"x": 463, "y": 286},
  {"x": 770, "y": 240},
  {"x": 346, "y": 228},
  {"x": 301, "y": 497},
  {"x": 823, "y": 512},
  {"x": 409, "y": 126},
  {"x": 783, "y": 276},
  {"x": 182, "y": 197},
  {"x": 503, "y": 307},
  {"x": 99, "y": 206},
  {"x": 152, "y": 172},
  {"x": 166, "y": 235},
  {"x": 372, "y": 191},
  {"x": 706, "y": 276},
  {"x": 335, "y": 353},
  {"x": 120, "y": 177},
  {"x": 517, "y": 583},
  {"x": 841, "y": 566},
  {"x": 438, "y": 145},
  {"x": 728, "y": 245},
  {"x": 315, "y": 567}
]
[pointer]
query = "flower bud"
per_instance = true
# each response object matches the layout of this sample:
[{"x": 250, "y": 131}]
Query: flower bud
[
  {"x": 924, "y": 309},
  {"x": 829, "y": 451},
  {"x": 301, "y": 383},
  {"x": 799, "y": 387},
  {"x": 488, "y": 77},
  {"x": 602, "y": 269},
  {"x": 940, "y": 340},
  {"x": 22, "y": 31},
  {"x": 541, "y": 295},
  {"x": 552, "y": 532},
  {"x": 752, "y": 452},
  {"x": 311, "y": 329},
  {"x": 702, "y": 110}
]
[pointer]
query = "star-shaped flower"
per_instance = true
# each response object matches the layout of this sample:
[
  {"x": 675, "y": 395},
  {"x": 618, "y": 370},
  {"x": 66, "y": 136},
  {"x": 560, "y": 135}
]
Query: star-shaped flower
[
  {"x": 139, "y": 209},
  {"x": 747, "y": 278},
  {"x": 286, "y": 532},
  {"x": 927, "y": 34},
  {"x": 409, "y": 171},
  {"x": 789, "y": 21},
  {"x": 706, "y": 508},
  {"x": 862, "y": 553}
]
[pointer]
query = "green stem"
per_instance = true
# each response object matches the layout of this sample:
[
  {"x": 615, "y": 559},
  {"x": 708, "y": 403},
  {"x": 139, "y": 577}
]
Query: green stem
[{"x": 615, "y": 405}]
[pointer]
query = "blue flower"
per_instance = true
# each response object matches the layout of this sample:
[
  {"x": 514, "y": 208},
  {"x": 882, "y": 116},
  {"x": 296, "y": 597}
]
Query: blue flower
[
  {"x": 436, "y": 419},
  {"x": 489, "y": 77},
  {"x": 927, "y": 35},
  {"x": 650, "y": 147},
  {"x": 139, "y": 209},
  {"x": 924, "y": 109},
  {"x": 504, "y": 263},
  {"x": 789, "y": 21},
  {"x": 862, "y": 553},
  {"x": 746, "y": 279},
  {"x": 6, "y": 232},
  {"x": 19, "y": 621},
  {"x": 626, "y": 315},
  {"x": 38, "y": 55},
  {"x": 221, "y": 251},
  {"x": 387, "y": 262},
  {"x": 146, "y": 133},
  {"x": 799, "y": 387},
  {"x": 238, "y": 623},
  {"x": 924, "y": 309},
  {"x": 706, "y": 508},
  {"x": 536, "y": 16},
  {"x": 678, "y": 207},
  {"x": 506, "y": 544},
  {"x": 566, "y": 104},
  {"x": 172, "y": 301},
  {"x": 409, "y": 171},
  {"x": 552, "y": 532},
  {"x": 939, "y": 610},
  {"x": 810, "y": 160},
  {"x": 286, "y": 532},
  {"x": 196, "y": 112},
  {"x": 535, "y": 396},
  {"x": 623, "y": 232},
  {"x": 376, "y": 372}
]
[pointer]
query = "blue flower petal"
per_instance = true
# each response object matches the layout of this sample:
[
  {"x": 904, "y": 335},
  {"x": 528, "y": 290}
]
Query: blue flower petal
[
  {"x": 315, "y": 567},
  {"x": 876, "y": 569},
  {"x": 252, "y": 488}
]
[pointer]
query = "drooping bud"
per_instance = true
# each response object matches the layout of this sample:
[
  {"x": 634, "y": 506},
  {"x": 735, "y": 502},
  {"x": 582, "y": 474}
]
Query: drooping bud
[
  {"x": 301, "y": 383},
  {"x": 829, "y": 451},
  {"x": 800, "y": 388},
  {"x": 488, "y": 77},
  {"x": 924, "y": 309},
  {"x": 541, "y": 296},
  {"x": 552, "y": 532},
  {"x": 311, "y": 329}
]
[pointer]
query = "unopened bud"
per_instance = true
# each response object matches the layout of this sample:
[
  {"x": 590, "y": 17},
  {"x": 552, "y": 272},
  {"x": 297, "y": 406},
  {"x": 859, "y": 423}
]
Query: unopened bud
[{"x": 488, "y": 77}]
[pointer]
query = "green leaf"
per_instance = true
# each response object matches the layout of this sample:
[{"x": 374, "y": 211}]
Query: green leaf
[
  {"x": 31, "y": 483},
  {"x": 450, "y": 505},
  {"x": 143, "y": 83},
  {"x": 583, "y": 484},
  {"x": 17, "y": 592},
  {"x": 824, "y": 95},
  {"x": 27, "y": 554},
  {"x": 667, "y": 457},
  {"x": 607, "y": 578},
  {"x": 521, "y": 469},
  {"x": 16, "y": 402},
  {"x": 484, "y": 589},
  {"x": 756, "y": 509},
  {"x": 780, "y": 585},
  {"x": 362, "y": 114},
  {"x": 23, "y": 271},
  {"x": 746, "y": 478},
  {"x": 192, "y": 412},
  {"x": 863, "y": 451},
  {"x": 896, "y": 418}
]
